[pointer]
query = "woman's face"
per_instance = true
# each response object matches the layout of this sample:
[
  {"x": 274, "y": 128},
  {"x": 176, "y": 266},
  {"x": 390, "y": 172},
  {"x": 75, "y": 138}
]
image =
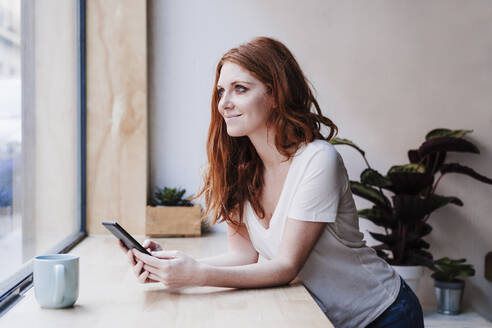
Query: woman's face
[{"x": 244, "y": 101}]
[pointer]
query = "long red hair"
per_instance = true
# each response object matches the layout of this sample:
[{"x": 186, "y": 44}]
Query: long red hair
[{"x": 235, "y": 171}]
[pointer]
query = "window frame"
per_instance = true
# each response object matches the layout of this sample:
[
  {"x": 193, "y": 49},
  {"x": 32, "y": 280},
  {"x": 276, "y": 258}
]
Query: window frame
[{"x": 22, "y": 281}]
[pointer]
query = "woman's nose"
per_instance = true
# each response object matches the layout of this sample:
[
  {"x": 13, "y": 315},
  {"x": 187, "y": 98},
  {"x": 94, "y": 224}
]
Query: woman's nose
[{"x": 226, "y": 101}]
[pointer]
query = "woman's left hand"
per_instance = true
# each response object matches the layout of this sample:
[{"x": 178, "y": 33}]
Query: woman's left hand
[{"x": 174, "y": 269}]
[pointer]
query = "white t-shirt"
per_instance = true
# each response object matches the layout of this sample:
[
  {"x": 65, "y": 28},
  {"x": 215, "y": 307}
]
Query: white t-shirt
[{"x": 347, "y": 279}]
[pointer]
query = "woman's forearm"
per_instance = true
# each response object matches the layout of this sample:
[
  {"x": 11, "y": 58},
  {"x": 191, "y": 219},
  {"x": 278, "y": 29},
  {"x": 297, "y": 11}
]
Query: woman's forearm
[
  {"x": 228, "y": 259},
  {"x": 257, "y": 275}
]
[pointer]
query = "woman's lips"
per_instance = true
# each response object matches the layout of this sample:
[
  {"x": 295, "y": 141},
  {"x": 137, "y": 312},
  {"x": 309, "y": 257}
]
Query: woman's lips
[{"x": 233, "y": 116}]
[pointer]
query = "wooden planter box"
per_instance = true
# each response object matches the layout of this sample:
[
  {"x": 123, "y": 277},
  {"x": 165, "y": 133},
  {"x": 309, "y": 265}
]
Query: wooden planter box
[{"x": 173, "y": 221}]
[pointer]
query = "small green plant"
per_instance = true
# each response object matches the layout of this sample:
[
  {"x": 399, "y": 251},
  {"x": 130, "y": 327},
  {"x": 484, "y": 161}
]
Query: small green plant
[
  {"x": 170, "y": 197},
  {"x": 448, "y": 270}
]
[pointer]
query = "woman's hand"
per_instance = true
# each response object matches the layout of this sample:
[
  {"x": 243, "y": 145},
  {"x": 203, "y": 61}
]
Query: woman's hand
[
  {"x": 137, "y": 265},
  {"x": 151, "y": 246},
  {"x": 174, "y": 269}
]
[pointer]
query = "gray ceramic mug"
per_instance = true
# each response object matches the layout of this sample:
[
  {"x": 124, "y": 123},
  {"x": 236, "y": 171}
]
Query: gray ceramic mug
[{"x": 56, "y": 280}]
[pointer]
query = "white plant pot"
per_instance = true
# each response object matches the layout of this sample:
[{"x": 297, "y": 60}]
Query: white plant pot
[{"x": 411, "y": 275}]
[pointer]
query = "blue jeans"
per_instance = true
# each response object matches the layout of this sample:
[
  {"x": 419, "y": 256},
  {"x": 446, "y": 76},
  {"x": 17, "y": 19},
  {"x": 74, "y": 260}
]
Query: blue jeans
[{"x": 404, "y": 312}]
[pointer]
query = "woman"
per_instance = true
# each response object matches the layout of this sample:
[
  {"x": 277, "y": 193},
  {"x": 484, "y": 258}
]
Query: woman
[{"x": 284, "y": 192}]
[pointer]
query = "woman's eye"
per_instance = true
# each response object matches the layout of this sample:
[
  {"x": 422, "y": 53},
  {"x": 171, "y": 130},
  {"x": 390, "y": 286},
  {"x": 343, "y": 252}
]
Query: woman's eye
[
  {"x": 240, "y": 88},
  {"x": 220, "y": 92}
]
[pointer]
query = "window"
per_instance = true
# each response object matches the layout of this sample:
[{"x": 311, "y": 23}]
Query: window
[{"x": 42, "y": 135}]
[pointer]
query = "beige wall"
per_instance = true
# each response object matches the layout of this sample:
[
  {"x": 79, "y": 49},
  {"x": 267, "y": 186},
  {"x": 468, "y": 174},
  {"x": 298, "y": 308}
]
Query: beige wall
[{"x": 385, "y": 71}]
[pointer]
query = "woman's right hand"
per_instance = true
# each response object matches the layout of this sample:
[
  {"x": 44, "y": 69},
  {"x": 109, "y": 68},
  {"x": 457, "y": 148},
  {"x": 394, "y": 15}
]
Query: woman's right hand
[
  {"x": 136, "y": 264},
  {"x": 151, "y": 246}
]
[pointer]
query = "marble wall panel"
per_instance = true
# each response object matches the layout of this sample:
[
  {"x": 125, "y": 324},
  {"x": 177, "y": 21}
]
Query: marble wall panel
[{"x": 116, "y": 113}]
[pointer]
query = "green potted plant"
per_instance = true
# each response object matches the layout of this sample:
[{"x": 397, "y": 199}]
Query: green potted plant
[
  {"x": 170, "y": 197},
  {"x": 449, "y": 288},
  {"x": 412, "y": 187},
  {"x": 171, "y": 215}
]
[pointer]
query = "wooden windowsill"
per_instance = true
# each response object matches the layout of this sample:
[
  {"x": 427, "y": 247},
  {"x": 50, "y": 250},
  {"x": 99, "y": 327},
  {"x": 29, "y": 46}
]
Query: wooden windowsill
[{"x": 110, "y": 296}]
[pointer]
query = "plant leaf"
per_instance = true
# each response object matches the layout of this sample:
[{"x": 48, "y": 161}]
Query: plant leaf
[
  {"x": 419, "y": 257},
  {"x": 409, "y": 178},
  {"x": 441, "y": 276},
  {"x": 437, "y": 133},
  {"x": 341, "y": 141},
  {"x": 457, "y": 168},
  {"x": 379, "y": 251},
  {"x": 383, "y": 255},
  {"x": 444, "y": 260},
  {"x": 444, "y": 200},
  {"x": 170, "y": 197},
  {"x": 381, "y": 246},
  {"x": 413, "y": 156},
  {"x": 377, "y": 216},
  {"x": 407, "y": 168},
  {"x": 369, "y": 193},
  {"x": 385, "y": 239},
  {"x": 419, "y": 233},
  {"x": 419, "y": 243},
  {"x": 435, "y": 161},
  {"x": 447, "y": 269},
  {"x": 445, "y": 144},
  {"x": 410, "y": 183},
  {"x": 411, "y": 208},
  {"x": 467, "y": 273},
  {"x": 374, "y": 178}
]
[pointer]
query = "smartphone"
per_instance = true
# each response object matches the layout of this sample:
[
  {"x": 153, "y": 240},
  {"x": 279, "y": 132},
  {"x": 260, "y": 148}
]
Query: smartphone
[{"x": 124, "y": 236}]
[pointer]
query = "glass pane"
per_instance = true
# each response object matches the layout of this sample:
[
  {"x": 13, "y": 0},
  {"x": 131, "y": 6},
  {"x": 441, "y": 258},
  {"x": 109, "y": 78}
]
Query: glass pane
[
  {"x": 10, "y": 137},
  {"x": 39, "y": 130}
]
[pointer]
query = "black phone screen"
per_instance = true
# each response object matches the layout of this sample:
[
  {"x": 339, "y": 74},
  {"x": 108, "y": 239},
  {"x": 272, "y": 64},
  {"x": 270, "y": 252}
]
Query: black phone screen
[{"x": 124, "y": 236}]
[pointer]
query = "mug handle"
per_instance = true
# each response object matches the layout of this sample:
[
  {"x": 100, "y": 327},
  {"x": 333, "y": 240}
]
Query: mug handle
[{"x": 59, "y": 283}]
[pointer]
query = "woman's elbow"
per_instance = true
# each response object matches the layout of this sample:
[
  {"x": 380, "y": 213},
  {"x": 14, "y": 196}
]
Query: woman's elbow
[
  {"x": 245, "y": 259},
  {"x": 253, "y": 259},
  {"x": 288, "y": 273},
  {"x": 292, "y": 275}
]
